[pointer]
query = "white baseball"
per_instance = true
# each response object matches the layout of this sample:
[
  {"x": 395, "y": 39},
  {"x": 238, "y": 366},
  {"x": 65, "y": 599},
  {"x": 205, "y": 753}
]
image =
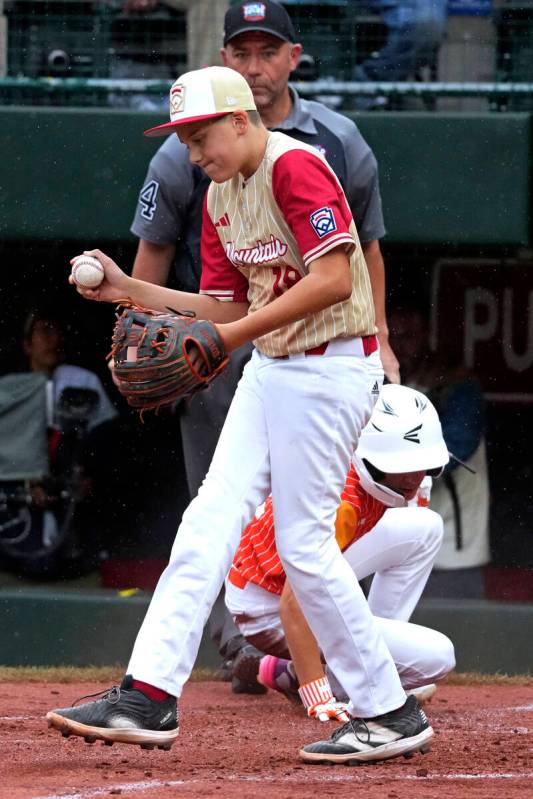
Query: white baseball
[{"x": 87, "y": 271}]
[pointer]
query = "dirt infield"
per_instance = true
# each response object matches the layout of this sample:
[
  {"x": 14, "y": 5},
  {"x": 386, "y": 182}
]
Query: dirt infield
[{"x": 243, "y": 746}]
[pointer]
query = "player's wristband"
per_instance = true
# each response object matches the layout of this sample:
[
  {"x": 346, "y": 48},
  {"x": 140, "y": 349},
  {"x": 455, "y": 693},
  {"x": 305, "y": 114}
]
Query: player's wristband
[{"x": 317, "y": 692}]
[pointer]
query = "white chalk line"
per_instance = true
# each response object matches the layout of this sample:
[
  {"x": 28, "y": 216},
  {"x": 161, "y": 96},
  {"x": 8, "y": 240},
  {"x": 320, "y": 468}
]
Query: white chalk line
[
  {"x": 129, "y": 786},
  {"x": 311, "y": 777}
]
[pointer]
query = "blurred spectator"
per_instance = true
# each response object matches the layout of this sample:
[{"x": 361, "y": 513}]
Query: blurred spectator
[
  {"x": 80, "y": 413},
  {"x": 461, "y": 498},
  {"x": 56, "y": 423},
  {"x": 415, "y": 31},
  {"x": 306, "y": 69},
  {"x": 44, "y": 347}
]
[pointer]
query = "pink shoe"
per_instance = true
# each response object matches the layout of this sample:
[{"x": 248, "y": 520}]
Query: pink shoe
[{"x": 278, "y": 675}]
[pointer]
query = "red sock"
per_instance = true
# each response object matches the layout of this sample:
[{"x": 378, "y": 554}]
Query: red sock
[{"x": 150, "y": 690}]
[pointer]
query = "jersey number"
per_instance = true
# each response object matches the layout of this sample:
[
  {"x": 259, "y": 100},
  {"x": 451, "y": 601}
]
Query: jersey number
[
  {"x": 284, "y": 278},
  {"x": 147, "y": 199}
]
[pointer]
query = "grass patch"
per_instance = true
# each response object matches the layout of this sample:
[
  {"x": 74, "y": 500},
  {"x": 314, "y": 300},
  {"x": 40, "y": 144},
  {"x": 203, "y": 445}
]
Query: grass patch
[
  {"x": 63, "y": 674},
  {"x": 476, "y": 678},
  {"x": 111, "y": 675}
]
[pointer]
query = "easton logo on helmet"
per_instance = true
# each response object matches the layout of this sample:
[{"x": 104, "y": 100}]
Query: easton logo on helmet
[
  {"x": 387, "y": 409},
  {"x": 412, "y": 435}
]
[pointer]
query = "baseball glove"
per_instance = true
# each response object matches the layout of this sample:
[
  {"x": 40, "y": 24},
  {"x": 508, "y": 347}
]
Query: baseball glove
[{"x": 160, "y": 358}]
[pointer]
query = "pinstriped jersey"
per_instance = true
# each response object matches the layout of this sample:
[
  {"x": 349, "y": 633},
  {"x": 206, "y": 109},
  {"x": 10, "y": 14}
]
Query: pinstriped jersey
[
  {"x": 257, "y": 560},
  {"x": 260, "y": 235}
]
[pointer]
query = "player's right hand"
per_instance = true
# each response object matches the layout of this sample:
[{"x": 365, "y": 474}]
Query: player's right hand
[
  {"x": 317, "y": 698},
  {"x": 114, "y": 285},
  {"x": 329, "y": 711}
]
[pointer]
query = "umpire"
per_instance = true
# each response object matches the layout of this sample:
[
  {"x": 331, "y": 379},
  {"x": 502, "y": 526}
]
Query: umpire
[{"x": 263, "y": 48}]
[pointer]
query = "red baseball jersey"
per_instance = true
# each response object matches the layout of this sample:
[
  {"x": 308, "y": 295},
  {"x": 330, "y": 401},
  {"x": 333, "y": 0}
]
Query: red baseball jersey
[
  {"x": 257, "y": 560},
  {"x": 260, "y": 235}
]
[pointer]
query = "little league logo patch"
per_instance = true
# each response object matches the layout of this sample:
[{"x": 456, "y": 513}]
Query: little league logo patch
[
  {"x": 254, "y": 12},
  {"x": 323, "y": 222},
  {"x": 177, "y": 99}
]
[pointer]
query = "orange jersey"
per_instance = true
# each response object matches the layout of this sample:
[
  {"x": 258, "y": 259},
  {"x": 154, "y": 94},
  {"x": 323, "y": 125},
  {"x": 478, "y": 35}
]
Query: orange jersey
[{"x": 257, "y": 560}]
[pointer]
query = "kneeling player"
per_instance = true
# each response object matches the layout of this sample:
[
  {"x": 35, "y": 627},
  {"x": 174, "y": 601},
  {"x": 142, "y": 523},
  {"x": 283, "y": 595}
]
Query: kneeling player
[{"x": 380, "y": 533}]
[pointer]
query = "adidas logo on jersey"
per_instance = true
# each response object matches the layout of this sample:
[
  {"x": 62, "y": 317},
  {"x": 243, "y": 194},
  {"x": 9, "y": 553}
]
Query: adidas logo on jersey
[
  {"x": 375, "y": 388},
  {"x": 223, "y": 221}
]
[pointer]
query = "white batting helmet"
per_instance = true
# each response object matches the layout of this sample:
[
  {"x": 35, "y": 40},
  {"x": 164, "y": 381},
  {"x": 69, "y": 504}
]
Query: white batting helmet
[{"x": 404, "y": 433}]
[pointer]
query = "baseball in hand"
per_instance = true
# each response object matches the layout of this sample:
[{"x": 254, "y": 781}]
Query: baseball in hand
[{"x": 87, "y": 271}]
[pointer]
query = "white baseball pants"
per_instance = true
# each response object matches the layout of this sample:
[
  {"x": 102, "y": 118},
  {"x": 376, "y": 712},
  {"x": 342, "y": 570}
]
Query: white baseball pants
[
  {"x": 291, "y": 429},
  {"x": 399, "y": 551}
]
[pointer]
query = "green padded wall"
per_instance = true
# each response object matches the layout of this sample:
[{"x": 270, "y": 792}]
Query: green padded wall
[
  {"x": 71, "y": 173},
  {"x": 445, "y": 178},
  {"x": 74, "y": 628},
  {"x": 44, "y": 627},
  {"x": 453, "y": 178}
]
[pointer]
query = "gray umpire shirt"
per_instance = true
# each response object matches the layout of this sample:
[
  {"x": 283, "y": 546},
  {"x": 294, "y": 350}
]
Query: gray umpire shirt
[{"x": 169, "y": 210}]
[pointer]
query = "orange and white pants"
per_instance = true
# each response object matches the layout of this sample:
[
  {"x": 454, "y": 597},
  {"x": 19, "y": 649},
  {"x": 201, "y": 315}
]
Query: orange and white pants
[{"x": 399, "y": 551}]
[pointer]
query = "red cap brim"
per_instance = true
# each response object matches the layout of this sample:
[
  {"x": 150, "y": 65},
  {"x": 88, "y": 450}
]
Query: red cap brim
[{"x": 168, "y": 127}]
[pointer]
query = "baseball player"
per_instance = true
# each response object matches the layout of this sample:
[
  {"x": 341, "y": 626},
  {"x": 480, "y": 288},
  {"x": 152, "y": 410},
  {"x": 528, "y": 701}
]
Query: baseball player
[
  {"x": 260, "y": 42},
  {"x": 379, "y": 533},
  {"x": 282, "y": 266}
]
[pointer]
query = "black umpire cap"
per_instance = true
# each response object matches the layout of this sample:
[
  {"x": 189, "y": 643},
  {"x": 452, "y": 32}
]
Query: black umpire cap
[{"x": 267, "y": 17}]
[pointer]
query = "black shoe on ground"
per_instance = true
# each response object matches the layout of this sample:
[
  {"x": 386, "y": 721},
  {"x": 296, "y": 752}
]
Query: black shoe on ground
[
  {"x": 400, "y": 732},
  {"x": 245, "y": 670},
  {"x": 225, "y": 670},
  {"x": 125, "y": 715}
]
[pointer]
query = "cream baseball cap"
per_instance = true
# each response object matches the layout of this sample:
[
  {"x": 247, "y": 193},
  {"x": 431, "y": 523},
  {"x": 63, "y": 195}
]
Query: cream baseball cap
[{"x": 204, "y": 94}]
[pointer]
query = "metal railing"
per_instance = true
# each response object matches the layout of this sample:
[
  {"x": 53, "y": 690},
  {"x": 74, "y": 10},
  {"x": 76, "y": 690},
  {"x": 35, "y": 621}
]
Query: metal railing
[
  {"x": 92, "y": 52},
  {"x": 341, "y": 94}
]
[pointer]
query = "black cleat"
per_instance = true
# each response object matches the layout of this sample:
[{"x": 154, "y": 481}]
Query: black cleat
[
  {"x": 224, "y": 671},
  {"x": 245, "y": 670},
  {"x": 400, "y": 732},
  {"x": 125, "y": 715}
]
